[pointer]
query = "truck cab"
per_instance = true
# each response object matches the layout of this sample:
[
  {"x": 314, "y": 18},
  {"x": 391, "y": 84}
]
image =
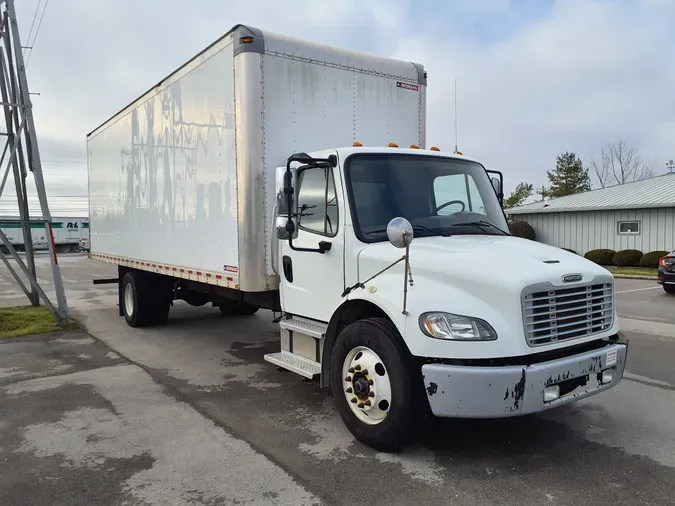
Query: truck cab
[{"x": 401, "y": 285}]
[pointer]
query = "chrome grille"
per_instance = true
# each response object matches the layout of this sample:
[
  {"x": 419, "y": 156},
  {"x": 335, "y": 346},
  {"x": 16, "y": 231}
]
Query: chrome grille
[{"x": 560, "y": 314}]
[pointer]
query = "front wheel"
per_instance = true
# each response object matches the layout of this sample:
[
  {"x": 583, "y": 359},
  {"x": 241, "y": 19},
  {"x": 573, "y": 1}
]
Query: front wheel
[{"x": 373, "y": 383}]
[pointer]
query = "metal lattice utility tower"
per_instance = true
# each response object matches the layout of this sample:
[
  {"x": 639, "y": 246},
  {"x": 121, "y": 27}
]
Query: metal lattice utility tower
[{"x": 21, "y": 155}]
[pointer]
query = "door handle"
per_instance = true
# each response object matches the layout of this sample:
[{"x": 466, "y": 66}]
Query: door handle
[{"x": 287, "y": 264}]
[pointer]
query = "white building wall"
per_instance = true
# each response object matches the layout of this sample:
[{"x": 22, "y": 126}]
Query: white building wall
[{"x": 584, "y": 231}]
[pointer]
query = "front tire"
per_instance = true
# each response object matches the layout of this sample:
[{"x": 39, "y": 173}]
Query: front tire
[
  {"x": 372, "y": 376},
  {"x": 669, "y": 288}
]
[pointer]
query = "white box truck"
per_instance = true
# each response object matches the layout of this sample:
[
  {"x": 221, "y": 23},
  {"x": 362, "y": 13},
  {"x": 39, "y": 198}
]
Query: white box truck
[{"x": 269, "y": 172}]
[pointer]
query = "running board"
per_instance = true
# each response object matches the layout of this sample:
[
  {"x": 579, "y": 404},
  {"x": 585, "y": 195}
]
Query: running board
[
  {"x": 295, "y": 363},
  {"x": 302, "y": 326}
]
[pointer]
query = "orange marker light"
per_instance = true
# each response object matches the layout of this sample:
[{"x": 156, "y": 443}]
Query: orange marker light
[
  {"x": 357, "y": 145},
  {"x": 393, "y": 145},
  {"x": 414, "y": 146},
  {"x": 456, "y": 152},
  {"x": 246, "y": 40},
  {"x": 434, "y": 148}
]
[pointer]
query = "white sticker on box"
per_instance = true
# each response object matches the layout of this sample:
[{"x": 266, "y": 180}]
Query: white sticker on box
[{"x": 611, "y": 358}]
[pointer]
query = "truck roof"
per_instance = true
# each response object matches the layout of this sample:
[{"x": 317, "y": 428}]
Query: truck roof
[
  {"x": 350, "y": 150},
  {"x": 290, "y": 47}
]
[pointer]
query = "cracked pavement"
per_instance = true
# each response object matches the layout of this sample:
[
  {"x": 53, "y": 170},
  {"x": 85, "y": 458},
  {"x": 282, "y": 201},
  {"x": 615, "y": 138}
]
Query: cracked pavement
[{"x": 190, "y": 413}]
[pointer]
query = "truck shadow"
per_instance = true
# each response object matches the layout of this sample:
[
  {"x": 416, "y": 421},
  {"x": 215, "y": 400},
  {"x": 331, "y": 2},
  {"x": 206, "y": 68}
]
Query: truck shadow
[{"x": 479, "y": 438}]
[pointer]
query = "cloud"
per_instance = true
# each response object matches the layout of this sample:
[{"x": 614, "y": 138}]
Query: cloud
[
  {"x": 585, "y": 73},
  {"x": 535, "y": 77}
]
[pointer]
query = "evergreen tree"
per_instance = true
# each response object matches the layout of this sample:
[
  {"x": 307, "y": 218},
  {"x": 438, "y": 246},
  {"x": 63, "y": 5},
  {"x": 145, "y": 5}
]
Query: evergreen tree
[
  {"x": 568, "y": 177},
  {"x": 519, "y": 195}
]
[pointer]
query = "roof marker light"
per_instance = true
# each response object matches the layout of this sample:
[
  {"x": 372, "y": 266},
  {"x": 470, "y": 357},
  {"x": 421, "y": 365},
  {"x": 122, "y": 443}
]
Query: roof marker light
[
  {"x": 456, "y": 152},
  {"x": 246, "y": 40},
  {"x": 414, "y": 146},
  {"x": 434, "y": 148},
  {"x": 357, "y": 144},
  {"x": 393, "y": 145}
]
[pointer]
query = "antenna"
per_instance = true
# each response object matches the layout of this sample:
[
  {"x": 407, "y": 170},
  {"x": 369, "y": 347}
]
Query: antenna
[
  {"x": 456, "y": 128},
  {"x": 670, "y": 166}
]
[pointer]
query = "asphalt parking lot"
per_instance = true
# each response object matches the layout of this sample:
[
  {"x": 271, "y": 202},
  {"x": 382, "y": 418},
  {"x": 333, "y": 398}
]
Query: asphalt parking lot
[{"x": 190, "y": 413}]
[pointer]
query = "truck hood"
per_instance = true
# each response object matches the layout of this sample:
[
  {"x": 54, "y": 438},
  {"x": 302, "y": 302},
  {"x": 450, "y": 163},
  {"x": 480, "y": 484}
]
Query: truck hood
[
  {"x": 477, "y": 276},
  {"x": 500, "y": 260}
]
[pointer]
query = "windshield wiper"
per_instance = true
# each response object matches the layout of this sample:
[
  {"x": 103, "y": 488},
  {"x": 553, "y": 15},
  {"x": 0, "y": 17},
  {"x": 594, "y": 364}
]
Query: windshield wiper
[
  {"x": 415, "y": 227},
  {"x": 482, "y": 225}
]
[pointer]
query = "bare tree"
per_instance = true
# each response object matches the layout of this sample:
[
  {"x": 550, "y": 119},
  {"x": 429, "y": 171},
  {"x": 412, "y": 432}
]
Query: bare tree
[{"x": 621, "y": 164}]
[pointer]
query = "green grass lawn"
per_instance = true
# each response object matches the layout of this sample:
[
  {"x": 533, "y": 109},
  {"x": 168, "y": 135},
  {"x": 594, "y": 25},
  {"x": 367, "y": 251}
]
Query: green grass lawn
[
  {"x": 24, "y": 321},
  {"x": 632, "y": 271}
]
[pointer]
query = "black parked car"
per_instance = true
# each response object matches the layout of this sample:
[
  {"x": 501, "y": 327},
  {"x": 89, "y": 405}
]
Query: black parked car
[{"x": 667, "y": 272}]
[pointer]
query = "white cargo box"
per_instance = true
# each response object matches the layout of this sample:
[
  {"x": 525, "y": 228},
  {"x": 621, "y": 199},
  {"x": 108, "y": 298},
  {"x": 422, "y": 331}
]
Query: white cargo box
[{"x": 181, "y": 181}]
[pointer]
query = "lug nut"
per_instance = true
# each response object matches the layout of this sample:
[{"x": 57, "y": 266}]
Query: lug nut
[
  {"x": 371, "y": 394},
  {"x": 360, "y": 405},
  {"x": 354, "y": 400},
  {"x": 367, "y": 403},
  {"x": 350, "y": 370},
  {"x": 348, "y": 379},
  {"x": 365, "y": 372},
  {"x": 349, "y": 390},
  {"x": 357, "y": 367},
  {"x": 370, "y": 382}
]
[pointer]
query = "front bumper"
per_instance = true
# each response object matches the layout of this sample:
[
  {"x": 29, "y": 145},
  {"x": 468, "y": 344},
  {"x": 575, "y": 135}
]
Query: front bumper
[{"x": 496, "y": 392}]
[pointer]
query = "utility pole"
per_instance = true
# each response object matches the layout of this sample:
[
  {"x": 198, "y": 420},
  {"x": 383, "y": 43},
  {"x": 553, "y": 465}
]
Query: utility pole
[{"x": 21, "y": 147}]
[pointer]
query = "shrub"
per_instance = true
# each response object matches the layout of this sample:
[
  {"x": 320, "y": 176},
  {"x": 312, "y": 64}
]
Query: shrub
[
  {"x": 651, "y": 259},
  {"x": 522, "y": 229},
  {"x": 601, "y": 256},
  {"x": 628, "y": 257},
  {"x": 570, "y": 250}
]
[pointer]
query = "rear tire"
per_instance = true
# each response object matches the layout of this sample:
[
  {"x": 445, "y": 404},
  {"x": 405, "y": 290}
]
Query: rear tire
[
  {"x": 383, "y": 415},
  {"x": 669, "y": 288},
  {"x": 145, "y": 300},
  {"x": 136, "y": 298},
  {"x": 236, "y": 308}
]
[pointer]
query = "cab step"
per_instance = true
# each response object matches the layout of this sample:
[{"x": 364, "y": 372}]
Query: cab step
[
  {"x": 295, "y": 363},
  {"x": 303, "y": 326}
]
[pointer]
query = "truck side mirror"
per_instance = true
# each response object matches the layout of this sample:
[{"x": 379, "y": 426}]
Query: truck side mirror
[
  {"x": 279, "y": 183},
  {"x": 281, "y": 207},
  {"x": 280, "y": 227},
  {"x": 496, "y": 185}
]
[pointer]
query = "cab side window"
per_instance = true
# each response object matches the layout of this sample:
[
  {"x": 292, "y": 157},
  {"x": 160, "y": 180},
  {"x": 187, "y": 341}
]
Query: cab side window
[{"x": 317, "y": 201}]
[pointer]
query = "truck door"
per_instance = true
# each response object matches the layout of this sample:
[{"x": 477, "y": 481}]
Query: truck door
[{"x": 312, "y": 283}]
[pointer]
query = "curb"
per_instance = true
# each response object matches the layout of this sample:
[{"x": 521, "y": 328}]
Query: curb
[{"x": 631, "y": 276}]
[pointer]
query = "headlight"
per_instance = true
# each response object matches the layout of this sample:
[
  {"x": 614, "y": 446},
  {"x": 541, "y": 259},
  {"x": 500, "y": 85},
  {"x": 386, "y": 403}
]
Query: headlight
[{"x": 456, "y": 327}]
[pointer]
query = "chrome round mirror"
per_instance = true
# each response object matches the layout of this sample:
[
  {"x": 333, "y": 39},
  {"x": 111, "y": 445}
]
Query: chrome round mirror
[{"x": 400, "y": 232}]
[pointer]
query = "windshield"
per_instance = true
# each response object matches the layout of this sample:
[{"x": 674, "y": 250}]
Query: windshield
[{"x": 438, "y": 196}]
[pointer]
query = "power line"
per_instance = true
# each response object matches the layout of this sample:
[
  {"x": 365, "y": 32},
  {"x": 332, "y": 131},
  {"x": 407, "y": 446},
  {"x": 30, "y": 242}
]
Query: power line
[
  {"x": 32, "y": 24},
  {"x": 37, "y": 32}
]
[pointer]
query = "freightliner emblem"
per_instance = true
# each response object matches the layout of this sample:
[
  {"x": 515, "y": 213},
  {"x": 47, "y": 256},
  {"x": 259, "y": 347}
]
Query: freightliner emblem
[{"x": 571, "y": 278}]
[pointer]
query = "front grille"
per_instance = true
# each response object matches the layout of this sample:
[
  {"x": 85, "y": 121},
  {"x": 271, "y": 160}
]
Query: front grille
[{"x": 560, "y": 314}]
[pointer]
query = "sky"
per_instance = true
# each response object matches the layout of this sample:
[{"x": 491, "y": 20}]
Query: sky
[{"x": 534, "y": 77}]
